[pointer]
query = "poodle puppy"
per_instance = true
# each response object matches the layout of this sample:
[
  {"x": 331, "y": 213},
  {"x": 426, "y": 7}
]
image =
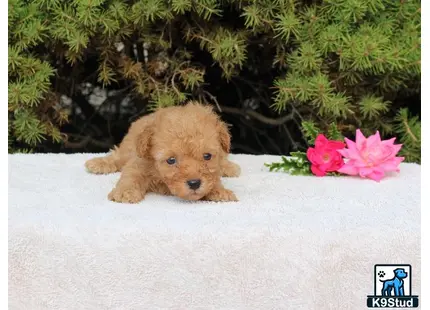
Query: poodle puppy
[{"x": 180, "y": 150}]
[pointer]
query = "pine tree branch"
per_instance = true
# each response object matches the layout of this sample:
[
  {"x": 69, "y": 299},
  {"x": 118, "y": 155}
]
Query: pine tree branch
[
  {"x": 290, "y": 137},
  {"x": 212, "y": 97},
  {"x": 85, "y": 142},
  {"x": 408, "y": 131}
]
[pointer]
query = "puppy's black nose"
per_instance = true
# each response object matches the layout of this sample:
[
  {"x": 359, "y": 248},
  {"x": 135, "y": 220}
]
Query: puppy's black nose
[{"x": 194, "y": 184}]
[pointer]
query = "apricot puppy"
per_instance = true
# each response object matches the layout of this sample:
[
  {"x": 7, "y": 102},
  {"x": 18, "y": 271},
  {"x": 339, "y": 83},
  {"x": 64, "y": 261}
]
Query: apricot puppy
[{"x": 179, "y": 151}]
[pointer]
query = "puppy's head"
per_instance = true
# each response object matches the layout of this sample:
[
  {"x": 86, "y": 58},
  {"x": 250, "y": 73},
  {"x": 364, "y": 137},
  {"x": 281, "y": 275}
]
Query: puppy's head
[
  {"x": 400, "y": 273},
  {"x": 186, "y": 145}
]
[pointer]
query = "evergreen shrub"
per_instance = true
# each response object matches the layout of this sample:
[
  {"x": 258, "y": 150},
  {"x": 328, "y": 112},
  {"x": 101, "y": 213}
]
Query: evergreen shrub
[{"x": 341, "y": 62}]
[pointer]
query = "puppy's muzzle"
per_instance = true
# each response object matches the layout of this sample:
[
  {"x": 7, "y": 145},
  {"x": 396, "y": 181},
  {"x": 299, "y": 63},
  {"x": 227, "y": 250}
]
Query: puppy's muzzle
[{"x": 194, "y": 184}]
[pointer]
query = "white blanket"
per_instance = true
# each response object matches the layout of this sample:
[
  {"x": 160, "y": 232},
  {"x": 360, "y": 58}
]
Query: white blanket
[{"x": 292, "y": 242}]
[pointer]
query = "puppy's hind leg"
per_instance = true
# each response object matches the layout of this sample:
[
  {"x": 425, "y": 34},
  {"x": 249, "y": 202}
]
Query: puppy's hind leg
[
  {"x": 108, "y": 164},
  {"x": 229, "y": 169}
]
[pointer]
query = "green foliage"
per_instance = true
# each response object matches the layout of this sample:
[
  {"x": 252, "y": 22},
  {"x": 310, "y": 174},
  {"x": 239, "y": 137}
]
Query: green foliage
[
  {"x": 347, "y": 62},
  {"x": 334, "y": 133},
  {"x": 409, "y": 130},
  {"x": 311, "y": 131},
  {"x": 371, "y": 107},
  {"x": 340, "y": 64},
  {"x": 297, "y": 164},
  {"x": 29, "y": 94}
]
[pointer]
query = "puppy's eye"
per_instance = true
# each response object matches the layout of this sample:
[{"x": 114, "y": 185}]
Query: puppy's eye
[
  {"x": 171, "y": 161},
  {"x": 207, "y": 156}
]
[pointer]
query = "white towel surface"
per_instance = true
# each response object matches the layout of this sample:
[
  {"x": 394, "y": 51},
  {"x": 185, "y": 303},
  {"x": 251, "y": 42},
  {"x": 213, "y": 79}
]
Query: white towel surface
[{"x": 291, "y": 242}]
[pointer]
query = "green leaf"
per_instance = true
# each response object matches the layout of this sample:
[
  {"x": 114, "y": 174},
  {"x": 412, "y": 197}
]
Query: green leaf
[
  {"x": 372, "y": 106},
  {"x": 334, "y": 133},
  {"x": 181, "y": 6},
  {"x": 408, "y": 129},
  {"x": 28, "y": 128},
  {"x": 310, "y": 131},
  {"x": 287, "y": 24},
  {"x": 297, "y": 164},
  {"x": 251, "y": 14}
]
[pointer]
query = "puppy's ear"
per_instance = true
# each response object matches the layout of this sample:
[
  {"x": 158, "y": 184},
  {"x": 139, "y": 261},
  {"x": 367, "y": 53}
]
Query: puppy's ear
[
  {"x": 224, "y": 136},
  {"x": 143, "y": 142}
]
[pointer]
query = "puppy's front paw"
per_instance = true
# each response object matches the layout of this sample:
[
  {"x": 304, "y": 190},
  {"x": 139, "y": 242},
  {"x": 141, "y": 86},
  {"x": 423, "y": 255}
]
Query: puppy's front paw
[
  {"x": 130, "y": 195},
  {"x": 231, "y": 170},
  {"x": 221, "y": 195}
]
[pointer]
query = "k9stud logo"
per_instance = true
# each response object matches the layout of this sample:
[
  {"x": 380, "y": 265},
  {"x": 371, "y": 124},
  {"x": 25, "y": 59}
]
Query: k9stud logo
[{"x": 392, "y": 287}]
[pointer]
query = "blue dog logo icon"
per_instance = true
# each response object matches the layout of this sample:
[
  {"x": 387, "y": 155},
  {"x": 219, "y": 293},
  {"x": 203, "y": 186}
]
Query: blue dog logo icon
[
  {"x": 392, "y": 286},
  {"x": 395, "y": 283}
]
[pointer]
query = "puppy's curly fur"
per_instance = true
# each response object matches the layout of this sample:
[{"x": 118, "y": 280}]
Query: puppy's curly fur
[{"x": 179, "y": 151}]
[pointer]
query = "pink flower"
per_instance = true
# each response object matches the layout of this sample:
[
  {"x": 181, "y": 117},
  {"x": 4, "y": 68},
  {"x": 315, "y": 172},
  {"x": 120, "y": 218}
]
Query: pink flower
[
  {"x": 325, "y": 157},
  {"x": 371, "y": 157}
]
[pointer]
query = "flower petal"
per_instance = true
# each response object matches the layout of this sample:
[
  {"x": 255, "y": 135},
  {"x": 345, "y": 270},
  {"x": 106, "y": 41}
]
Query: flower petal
[
  {"x": 336, "y": 165},
  {"x": 320, "y": 141},
  {"x": 376, "y": 175},
  {"x": 359, "y": 163},
  {"x": 389, "y": 142},
  {"x": 348, "y": 168},
  {"x": 392, "y": 164},
  {"x": 360, "y": 140},
  {"x": 317, "y": 171},
  {"x": 350, "y": 144},
  {"x": 374, "y": 139},
  {"x": 313, "y": 156},
  {"x": 363, "y": 172},
  {"x": 353, "y": 152},
  {"x": 310, "y": 153},
  {"x": 343, "y": 152},
  {"x": 325, "y": 167},
  {"x": 334, "y": 145},
  {"x": 395, "y": 148}
]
